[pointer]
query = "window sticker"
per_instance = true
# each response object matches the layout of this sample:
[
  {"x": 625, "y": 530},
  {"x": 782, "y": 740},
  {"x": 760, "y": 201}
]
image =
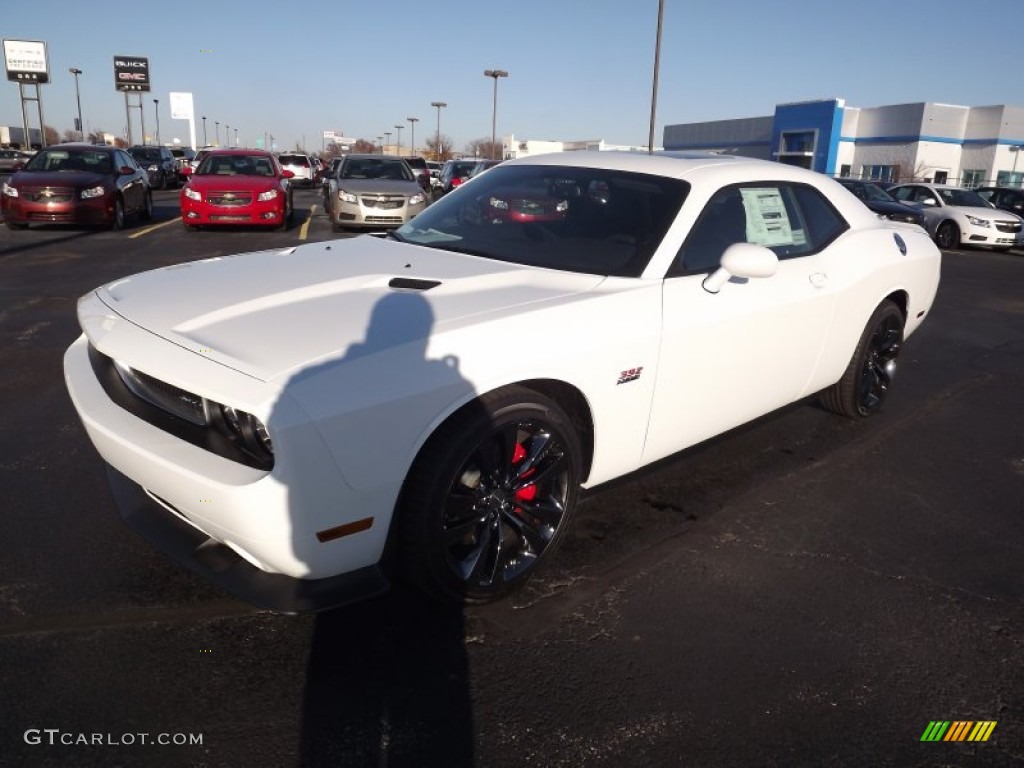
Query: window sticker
[{"x": 767, "y": 220}]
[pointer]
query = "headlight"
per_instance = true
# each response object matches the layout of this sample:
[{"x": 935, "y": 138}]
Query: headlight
[
  {"x": 191, "y": 194},
  {"x": 346, "y": 197},
  {"x": 978, "y": 222},
  {"x": 9, "y": 191},
  {"x": 91, "y": 192},
  {"x": 270, "y": 194},
  {"x": 417, "y": 199},
  {"x": 153, "y": 168},
  {"x": 246, "y": 428}
]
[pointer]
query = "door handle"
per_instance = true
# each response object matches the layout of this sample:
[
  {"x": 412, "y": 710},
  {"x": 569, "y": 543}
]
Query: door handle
[{"x": 818, "y": 279}]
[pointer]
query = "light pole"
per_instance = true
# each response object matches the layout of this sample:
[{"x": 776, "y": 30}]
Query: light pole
[
  {"x": 227, "y": 135},
  {"x": 156, "y": 108},
  {"x": 236, "y": 137},
  {"x": 216, "y": 131},
  {"x": 380, "y": 143},
  {"x": 81, "y": 126},
  {"x": 387, "y": 135},
  {"x": 654, "y": 86},
  {"x": 437, "y": 140},
  {"x": 495, "y": 74},
  {"x": 412, "y": 134},
  {"x": 399, "y": 127},
  {"x": 205, "y": 142}
]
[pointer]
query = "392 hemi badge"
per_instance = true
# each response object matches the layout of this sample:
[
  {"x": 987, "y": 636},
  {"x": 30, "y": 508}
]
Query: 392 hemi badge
[{"x": 631, "y": 375}]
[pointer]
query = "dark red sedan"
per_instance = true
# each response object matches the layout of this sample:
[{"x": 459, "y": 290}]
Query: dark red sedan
[
  {"x": 239, "y": 187},
  {"x": 76, "y": 184}
]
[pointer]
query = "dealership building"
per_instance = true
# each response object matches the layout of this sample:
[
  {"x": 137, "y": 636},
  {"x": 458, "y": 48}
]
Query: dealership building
[{"x": 942, "y": 143}]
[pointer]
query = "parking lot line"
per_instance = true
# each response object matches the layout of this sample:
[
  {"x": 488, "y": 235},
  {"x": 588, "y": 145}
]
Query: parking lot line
[
  {"x": 304, "y": 229},
  {"x": 147, "y": 230}
]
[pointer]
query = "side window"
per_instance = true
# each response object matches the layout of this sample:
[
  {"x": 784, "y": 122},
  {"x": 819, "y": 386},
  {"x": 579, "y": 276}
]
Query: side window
[{"x": 792, "y": 220}]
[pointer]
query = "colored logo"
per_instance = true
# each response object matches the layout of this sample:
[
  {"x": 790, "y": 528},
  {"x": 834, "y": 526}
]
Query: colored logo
[{"x": 958, "y": 730}]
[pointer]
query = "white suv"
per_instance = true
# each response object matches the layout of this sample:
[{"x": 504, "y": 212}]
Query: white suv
[
  {"x": 953, "y": 216},
  {"x": 301, "y": 165}
]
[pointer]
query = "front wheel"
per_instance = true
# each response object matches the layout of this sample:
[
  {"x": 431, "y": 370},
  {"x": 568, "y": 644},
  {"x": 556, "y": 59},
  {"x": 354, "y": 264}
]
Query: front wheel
[
  {"x": 117, "y": 221},
  {"x": 865, "y": 384},
  {"x": 489, "y": 497},
  {"x": 948, "y": 235},
  {"x": 146, "y": 214}
]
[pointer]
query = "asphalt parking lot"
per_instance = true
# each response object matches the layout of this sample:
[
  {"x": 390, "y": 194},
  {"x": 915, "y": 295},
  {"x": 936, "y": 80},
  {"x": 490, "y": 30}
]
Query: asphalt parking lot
[{"x": 802, "y": 591}]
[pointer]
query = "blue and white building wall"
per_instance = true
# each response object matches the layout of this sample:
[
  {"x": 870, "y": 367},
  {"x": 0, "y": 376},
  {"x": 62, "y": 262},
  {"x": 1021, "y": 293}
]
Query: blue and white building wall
[{"x": 945, "y": 143}]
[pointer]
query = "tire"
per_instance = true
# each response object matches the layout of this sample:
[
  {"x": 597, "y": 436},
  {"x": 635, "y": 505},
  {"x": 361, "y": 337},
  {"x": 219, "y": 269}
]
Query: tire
[
  {"x": 163, "y": 180},
  {"x": 146, "y": 214},
  {"x": 15, "y": 224},
  {"x": 947, "y": 236},
  {"x": 118, "y": 221},
  {"x": 191, "y": 227},
  {"x": 472, "y": 526},
  {"x": 865, "y": 384}
]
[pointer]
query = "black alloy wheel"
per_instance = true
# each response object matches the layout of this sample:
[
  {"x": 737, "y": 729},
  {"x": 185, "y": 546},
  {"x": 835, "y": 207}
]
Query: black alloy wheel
[
  {"x": 117, "y": 221},
  {"x": 947, "y": 236},
  {"x": 866, "y": 382},
  {"x": 490, "y": 497},
  {"x": 147, "y": 206}
]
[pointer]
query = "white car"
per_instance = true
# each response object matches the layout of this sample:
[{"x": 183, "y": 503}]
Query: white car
[
  {"x": 280, "y": 420},
  {"x": 953, "y": 216}
]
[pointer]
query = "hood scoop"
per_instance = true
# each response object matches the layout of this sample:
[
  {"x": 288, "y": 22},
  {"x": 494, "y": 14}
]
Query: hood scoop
[{"x": 412, "y": 284}]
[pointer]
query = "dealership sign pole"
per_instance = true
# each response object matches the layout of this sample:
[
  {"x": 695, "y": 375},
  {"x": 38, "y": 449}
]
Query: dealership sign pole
[
  {"x": 27, "y": 65},
  {"x": 131, "y": 75}
]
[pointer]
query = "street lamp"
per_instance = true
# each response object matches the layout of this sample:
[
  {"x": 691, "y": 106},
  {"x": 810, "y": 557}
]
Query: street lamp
[
  {"x": 216, "y": 131},
  {"x": 205, "y": 142},
  {"x": 654, "y": 86},
  {"x": 380, "y": 143},
  {"x": 81, "y": 126},
  {"x": 387, "y": 134},
  {"x": 227, "y": 135},
  {"x": 437, "y": 145},
  {"x": 236, "y": 137},
  {"x": 399, "y": 127},
  {"x": 412, "y": 134},
  {"x": 495, "y": 74},
  {"x": 156, "y": 108}
]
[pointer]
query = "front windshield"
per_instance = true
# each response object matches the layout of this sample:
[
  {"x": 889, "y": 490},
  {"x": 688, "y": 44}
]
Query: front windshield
[
  {"x": 589, "y": 220},
  {"x": 144, "y": 154},
  {"x": 235, "y": 165},
  {"x": 376, "y": 168},
  {"x": 80, "y": 160},
  {"x": 870, "y": 192},
  {"x": 964, "y": 197}
]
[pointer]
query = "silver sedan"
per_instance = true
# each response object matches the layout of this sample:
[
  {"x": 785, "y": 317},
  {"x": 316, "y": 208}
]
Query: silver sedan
[{"x": 373, "y": 192}]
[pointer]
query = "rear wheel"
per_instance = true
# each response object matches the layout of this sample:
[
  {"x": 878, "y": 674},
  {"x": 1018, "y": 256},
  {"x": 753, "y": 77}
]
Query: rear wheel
[
  {"x": 147, "y": 207},
  {"x": 948, "y": 235},
  {"x": 865, "y": 384},
  {"x": 489, "y": 497},
  {"x": 15, "y": 224}
]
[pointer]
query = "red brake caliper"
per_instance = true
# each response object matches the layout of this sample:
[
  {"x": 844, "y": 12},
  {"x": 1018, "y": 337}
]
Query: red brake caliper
[{"x": 528, "y": 492}]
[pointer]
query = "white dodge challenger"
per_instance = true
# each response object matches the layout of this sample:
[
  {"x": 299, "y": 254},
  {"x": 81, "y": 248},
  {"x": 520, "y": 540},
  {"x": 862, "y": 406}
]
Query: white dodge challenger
[{"x": 301, "y": 425}]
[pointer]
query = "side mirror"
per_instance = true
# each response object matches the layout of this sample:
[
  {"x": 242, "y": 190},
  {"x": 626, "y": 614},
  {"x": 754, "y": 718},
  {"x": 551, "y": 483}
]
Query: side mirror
[
  {"x": 927, "y": 201},
  {"x": 186, "y": 170},
  {"x": 742, "y": 260}
]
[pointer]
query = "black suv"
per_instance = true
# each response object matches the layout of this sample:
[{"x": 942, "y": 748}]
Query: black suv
[
  {"x": 1005, "y": 198},
  {"x": 158, "y": 163}
]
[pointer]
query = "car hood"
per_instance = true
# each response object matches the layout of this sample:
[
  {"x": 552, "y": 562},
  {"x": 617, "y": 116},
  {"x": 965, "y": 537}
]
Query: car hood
[
  {"x": 270, "y": 313},
  {"x": 214, "y": 182},
  {"x": 74, "y": 179},
  {"x": 379, "y": 186}
]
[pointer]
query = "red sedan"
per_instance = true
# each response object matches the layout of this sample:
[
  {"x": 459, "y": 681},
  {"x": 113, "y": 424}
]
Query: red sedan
[{"x": 237, "y": 187}]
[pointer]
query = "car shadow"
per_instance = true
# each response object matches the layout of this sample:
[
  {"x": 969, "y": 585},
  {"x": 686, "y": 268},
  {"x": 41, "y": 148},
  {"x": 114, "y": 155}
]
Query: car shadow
[{"x": 387, "y": 680}]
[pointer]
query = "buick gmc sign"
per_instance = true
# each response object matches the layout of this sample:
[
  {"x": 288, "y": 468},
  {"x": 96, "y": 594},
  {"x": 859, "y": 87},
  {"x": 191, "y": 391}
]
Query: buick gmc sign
[{"x": 131, "y": 73}]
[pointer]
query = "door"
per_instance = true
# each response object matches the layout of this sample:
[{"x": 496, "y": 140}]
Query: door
[{"x": 731, "y": 356}]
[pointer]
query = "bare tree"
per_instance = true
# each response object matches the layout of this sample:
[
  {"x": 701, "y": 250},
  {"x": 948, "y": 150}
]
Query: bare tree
[
  {"x": 69, "y": 135},
  {"x": 484, "y": 149},
  {"x": 52, "y": 137},
  {"x": 363, "y": 146},
  {"x": 442, "y": 152}
]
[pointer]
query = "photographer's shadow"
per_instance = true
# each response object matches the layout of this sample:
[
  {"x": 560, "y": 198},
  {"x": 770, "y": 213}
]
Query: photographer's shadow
[{"x": 387, "y": 680}]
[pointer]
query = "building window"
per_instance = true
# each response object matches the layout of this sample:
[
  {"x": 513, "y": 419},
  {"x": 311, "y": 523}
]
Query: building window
[
  {"x": 1010, "y": 179},
  {"x": 880, "y": 172},
  {"x": 972, "y": 178},
  {"x": 798, "y": 141},
  {"x": 844, "y": 170}
]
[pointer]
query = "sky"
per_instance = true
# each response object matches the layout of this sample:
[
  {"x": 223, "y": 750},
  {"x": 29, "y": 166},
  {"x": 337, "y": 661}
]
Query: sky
[{"x": 578, "y": 69}]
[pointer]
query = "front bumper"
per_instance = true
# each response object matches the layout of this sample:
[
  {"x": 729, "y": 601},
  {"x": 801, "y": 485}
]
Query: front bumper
[
  {"x": 99, "y": 210},
  {"x": 358, "y": 215},
  {"x": 268, "y": 213},
  {"x": 217, "y": 563}
]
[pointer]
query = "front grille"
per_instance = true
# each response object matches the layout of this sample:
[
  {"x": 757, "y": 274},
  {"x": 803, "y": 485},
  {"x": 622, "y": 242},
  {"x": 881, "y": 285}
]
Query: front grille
[
  {"x": 48, "y": 194},
  {"x": 52, "y": 218},
  {"x": 383, "y": 220},
  {"x": 1008, "y": 226},
  {"x": 229, "y": 217},
  {"x": 178, "y": 402},
  {"x": 383, "y": 202},
  {"x": 230, "y": 199}
]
